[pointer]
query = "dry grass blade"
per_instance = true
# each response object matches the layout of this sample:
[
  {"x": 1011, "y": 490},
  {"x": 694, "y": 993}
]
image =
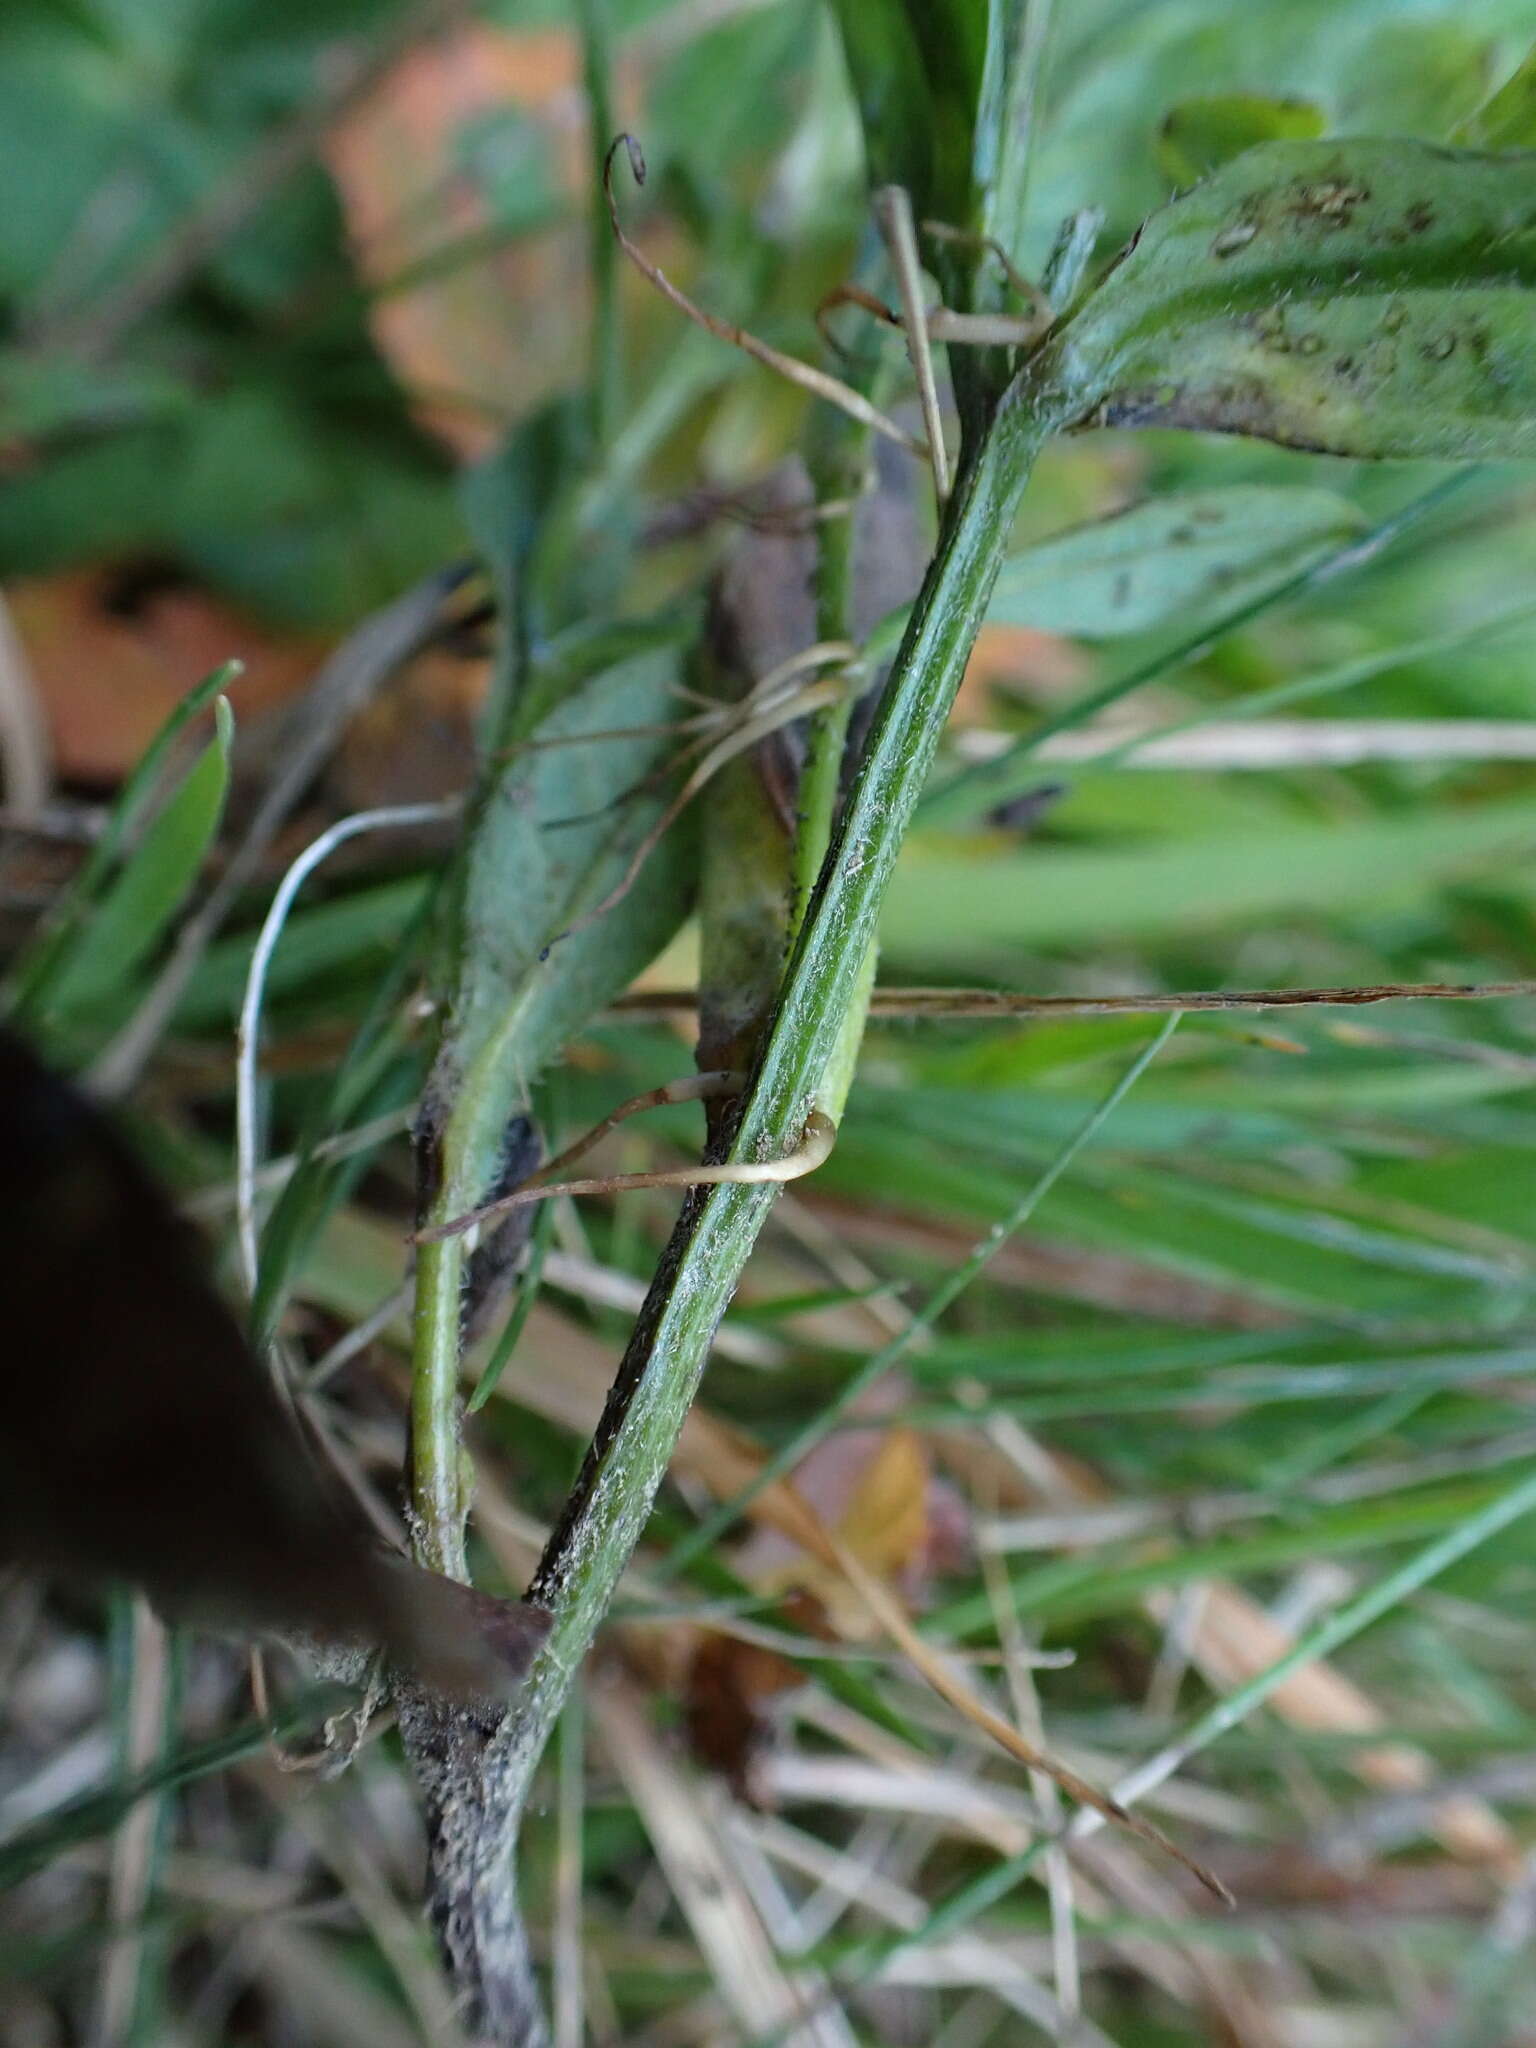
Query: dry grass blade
[
  {"x": 1233, "y": 1640},
  {"x": 1003, "y": 1002},
  {"x": 24, "y": 743},
  {"x": 395, "y": 1930},
  {"x": 748, "y": 1976},
  {"x": 248, "y": 1030},
  {"x": 746, "y": 733},
  {"x": 888, "y": 1611},
  {"x": 1065, "y": 1960},
  {"x": 817, "y": 382},
  {"x": 317, "y": 1993},
  {"x": 782, "y": 1507},
  {"x": 893, "y": 212}
]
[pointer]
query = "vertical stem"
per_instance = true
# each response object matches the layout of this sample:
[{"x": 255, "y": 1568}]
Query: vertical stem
[
  {"x": 437, "y": 1490},
  {"x": 607, "y": 363},
  {"x": 125, "y": 2007},
  {"x": 566, "y": 1959},
  {"x": 827, "y": 736},
  {"x": 717, "y": 1228},
  {"x": 838, "y": 455}
]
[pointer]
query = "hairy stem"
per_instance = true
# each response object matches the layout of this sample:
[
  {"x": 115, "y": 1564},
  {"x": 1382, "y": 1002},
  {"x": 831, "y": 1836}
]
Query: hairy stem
[
  {"x": 606, "y": 1515},
  {"x": 827, "y": 729},
  {"x": 437, "y": 1493}
]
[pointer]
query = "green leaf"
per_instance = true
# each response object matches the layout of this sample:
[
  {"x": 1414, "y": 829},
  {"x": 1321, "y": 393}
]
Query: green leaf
[
  {"x": 1169, "y": 559},
  {"x": 41, "y": 395},
  {"x": 1201, "y": 135},
  {"x": 729, "y": 92},
  {"x": 29, "y": 980},
  {"x": 1508, "y": 119},
  {"x": 1359, "y": 298},
  {"x": 57, "y": 145},
  {"x": 350, "y": 938},
  {"x": 135, "y": 912},
  {"x": 554, "y": 837},
  {"x": 1416, "y": 78},
  {"x": 917, "y": 67},
  {"x": 895, "y": 107},
  {"x": 1067, "y": 897}
]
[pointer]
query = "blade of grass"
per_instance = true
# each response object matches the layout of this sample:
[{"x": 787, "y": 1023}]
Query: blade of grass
[
  {"x": 948, "y": 1291},
  {"x": 35, "y": 1846},
  {"x": 989, "y": 782},
  {"x": 969, "y": 1901},
  {"x": 28, "y": 981}
]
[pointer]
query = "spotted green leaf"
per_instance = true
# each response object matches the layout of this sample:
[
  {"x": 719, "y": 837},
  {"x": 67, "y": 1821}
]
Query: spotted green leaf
[
  {"x": 137, "y": 908},
  {"x": 1170, "y": 558},
  {"x": 1360, "y": 298}
]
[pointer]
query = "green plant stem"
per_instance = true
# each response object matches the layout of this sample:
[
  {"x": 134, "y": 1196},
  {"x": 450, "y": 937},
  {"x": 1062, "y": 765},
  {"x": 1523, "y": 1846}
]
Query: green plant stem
[
  {"x": 607, "y": 362},
  {"x": 608, "y": 1509},
  {"x": 839, "y": 459},
  {"x": 437, "y": 1493},
  {"x": 827, "y": 731}
]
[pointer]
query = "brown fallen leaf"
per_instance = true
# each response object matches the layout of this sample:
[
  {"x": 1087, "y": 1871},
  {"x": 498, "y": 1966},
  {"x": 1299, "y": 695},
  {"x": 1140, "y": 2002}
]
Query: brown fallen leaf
[
  {"x": 115, "y": 649},
  {"x": 477, "y": 323}
]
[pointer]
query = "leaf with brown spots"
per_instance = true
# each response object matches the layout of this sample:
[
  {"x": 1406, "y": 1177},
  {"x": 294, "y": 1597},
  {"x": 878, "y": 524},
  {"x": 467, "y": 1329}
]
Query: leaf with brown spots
[{"x": 1360, "y": 298}]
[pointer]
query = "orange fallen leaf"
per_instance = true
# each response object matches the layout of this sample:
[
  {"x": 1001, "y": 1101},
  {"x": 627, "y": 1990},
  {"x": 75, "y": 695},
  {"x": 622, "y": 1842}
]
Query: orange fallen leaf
[
  {"x": 479, "y": 327},
  {"x": 114, "y": 654}
]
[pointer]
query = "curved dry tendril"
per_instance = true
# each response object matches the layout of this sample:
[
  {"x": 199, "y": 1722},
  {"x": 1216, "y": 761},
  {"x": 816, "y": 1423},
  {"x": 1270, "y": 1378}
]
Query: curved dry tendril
[
  {"x": 850, "y": 295},
  {"x": 832, "y": 389},
  {"x": 768, "y": 693},
  {"x": 814, "y": 1149}
]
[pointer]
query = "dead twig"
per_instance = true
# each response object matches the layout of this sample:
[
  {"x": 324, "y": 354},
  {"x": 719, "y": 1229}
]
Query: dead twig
[
  {"x": 817, "y": 382},
  {"x": 893, "y": 212},
  {"x": 24, "y": 749},
  {"x": 961, "y": 1003}
]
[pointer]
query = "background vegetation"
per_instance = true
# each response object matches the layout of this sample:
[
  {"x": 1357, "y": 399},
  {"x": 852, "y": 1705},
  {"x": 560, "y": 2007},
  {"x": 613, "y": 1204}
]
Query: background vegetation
[{"x": 303, "y": 305}]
